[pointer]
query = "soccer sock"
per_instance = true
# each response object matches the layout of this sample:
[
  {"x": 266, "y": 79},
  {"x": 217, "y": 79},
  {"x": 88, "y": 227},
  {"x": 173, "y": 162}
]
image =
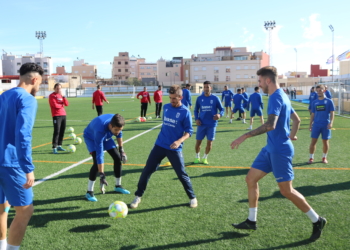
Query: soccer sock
[
  {"x": 198, "y": 155},
  {"x": 312, "y": 156},
  {"x": 253, "y": 212},
  {"x": 243, "y": 120},
  {"x": 10, "y": 247},
  {"x": 313, "y": 216},
  {"x": 91, "y": 185},
  {"x": 118, "y": 181},
  {"x": 324, "y": 155},
  {"x": 3, "y": 244},
  {"x": 230, "y": 120},
  {"x": 205, "y": 156}
]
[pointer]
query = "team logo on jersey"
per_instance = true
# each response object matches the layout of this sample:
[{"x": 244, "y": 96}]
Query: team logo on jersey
[
  {"x": 325, "y": 102},
  {"x": 320, "y": 107},
  {"x": 211, "y": 101},
  {"x": 177, "y": 115},
  {"x": 202, "y": 100}
]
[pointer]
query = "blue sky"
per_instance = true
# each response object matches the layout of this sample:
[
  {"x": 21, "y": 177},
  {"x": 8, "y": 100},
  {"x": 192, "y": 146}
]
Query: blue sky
[{"x": 97, "y": 30}]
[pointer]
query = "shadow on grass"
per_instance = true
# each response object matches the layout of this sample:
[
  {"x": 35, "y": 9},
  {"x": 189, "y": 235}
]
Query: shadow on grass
[
  {"x": 224, "y": 173},
  {"x": 224, "y": 236},
  {"x": 134, "y": 211},
  {"x": 310, "y": 190},
  {"x": 88, "y": 228},
  {"x": 290, "y": 245}
]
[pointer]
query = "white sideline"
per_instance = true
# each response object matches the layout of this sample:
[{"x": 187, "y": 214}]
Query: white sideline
[{"x": 85, "y": 160}]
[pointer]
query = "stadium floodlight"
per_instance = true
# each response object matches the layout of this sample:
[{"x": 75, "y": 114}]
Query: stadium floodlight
[
  {"x": 41, "y": 35},
  {"x": 332, "y": 29},
  {"x": 269, "y": 26}
]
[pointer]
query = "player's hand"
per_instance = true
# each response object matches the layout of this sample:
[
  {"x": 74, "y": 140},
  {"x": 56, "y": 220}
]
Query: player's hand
[
  {"x": 124, "y": 158},
  {"x": 330, "y": 125},
  {"x": 103, "y": 179},
  {"x": 238, "y": 141},
  {"x": 175, "y": 145},
  {"x": 190, "y": 107},
  {"x": 30, "y": 180},
  {"x": 93, "y": 107},
  {"x": 198, "y": 122},
  {"x": 216, "y": 117},
  {"x": 107, "y": 102},
  {"x": 293, "y": 138},
  {"x": 310, "y": 128}
]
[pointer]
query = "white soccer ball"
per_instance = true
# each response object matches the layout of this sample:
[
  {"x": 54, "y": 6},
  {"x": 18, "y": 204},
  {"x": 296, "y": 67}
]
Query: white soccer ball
[
  {"x": 72, "y": 136},
  {"x": 70, "y": 130},
  {"x": 71, "y": 148},
  {"x": 138, "y": 119},
  {"x": 118, "y": 210},
  {"x": 78, "y": 140}
]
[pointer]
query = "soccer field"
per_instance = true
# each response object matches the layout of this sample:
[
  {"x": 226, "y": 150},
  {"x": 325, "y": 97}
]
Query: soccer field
[{"x": 63, "y": 219}]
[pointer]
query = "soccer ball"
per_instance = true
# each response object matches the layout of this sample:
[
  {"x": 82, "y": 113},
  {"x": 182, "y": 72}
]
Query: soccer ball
[
  {"x": 71, "y": 148},
  {"x": 70, "y": 130},
  {"x": 118, "y": 210},
  {"x": 78, "y": 140},
  {"x": 149, "y": 118},
  {"x": 72, "y": 136},
  {"x": 138, "y": 119}
]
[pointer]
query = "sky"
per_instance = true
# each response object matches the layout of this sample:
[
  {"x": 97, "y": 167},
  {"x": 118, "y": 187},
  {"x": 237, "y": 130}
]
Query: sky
[{"x": 98, "y": 30}]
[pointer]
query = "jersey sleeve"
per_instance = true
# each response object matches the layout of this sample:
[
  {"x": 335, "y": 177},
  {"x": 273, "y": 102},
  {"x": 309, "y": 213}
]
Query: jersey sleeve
[
  {"x": 331, "y": 105},
  {"x": 220, "y": 107},
  {"x": 53, "y": 102},
  {"x": 275, "y": 106},
  {"x": 196, "y": 110},
  {"x": 24, "y": 125},
  {"x": 222, "y": 96},
  {"x": 65, "y": 101},
  {"x": 189, "y": 99},
  {"x": 188, "y": 124},
  {"x": 98, "y": 139},
  {"x": 261, "y": 102},
  {"x": 120, "y": 135}
]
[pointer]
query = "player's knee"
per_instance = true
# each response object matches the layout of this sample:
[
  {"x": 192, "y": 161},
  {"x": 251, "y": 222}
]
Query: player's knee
[
  {"x": 286, "y": 192},
  {"x": 249, "y": 180}
]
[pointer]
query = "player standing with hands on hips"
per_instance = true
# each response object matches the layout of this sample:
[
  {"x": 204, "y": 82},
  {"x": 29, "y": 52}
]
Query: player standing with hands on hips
[
  {"x": 277, "y": 155},
  {"x": 17, "y": 111},
  {"x": 57, "y": 102}
]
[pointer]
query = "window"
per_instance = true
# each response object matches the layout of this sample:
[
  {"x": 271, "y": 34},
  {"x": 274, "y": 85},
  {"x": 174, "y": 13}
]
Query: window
[
  {"x": 195, "y": 68},
  {"x": 246, "y": 67},
  {"x": 196, "y": 78},
  {"x": 18, "y": 64},
  {"x": 17, "y": 71},
  {"x": 246, "y": 76},
  {"x": 176, "y": 65},
  {"x": 253, "y": 67},
  {"x": 142, "y": 73},
  {"x": 45, "y": 64},
  {"x": 204, "y": 68},
  {"x": 74, "y": 77},
  {"x": 216, "y": 78},
  {"x": 126, "y": 63},
  {"x": 133, "y": 73},
  {"x": 228, "y": 69},
  {"x": 204, "y": 77},
  {"x": 38, "y": 63},
  {"x": 126, "y": 78},
  {"x": 186, "y": 72},
  {"x": 119, "y": 62},
  {"x": 238, "y": 76},
  {"x": 76, "y": 72},
  {"x": 45, "y": 70},
  {"x": 126, "y": 70},
  {"x": 154, "y": 68},
  {"x": 241, "y": 58},
  {"x": 186, "y": 81},
  {"x": 228, "y": 78},
  {"x": 142, "y": 67},
  {"x": 84, "y": 71},
  {"x": 148, "y": 74},
  {"x": 132, "y": 66},
  {"x": 119, "y": 70},
  {"x": 148, "y": 67},
  {"x": 91, "y": 72},
  {"x": 216, "y": 69},
  {"x": 238, "y": 67}
]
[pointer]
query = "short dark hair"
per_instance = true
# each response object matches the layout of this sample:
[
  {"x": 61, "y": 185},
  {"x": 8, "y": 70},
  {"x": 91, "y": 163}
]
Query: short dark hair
[
  {"x": 238, "y": 90},
  {"x": 159, "y": 86},
  {"x": 206, "y": 82},
  {"x": 98, "y": 86},
  {"x": 30, "y": 67},
  {"x": 175, "y": 89},
  {"x": 321, "y": 86},
  {"x": 117, "y": 121},
  {"x": 242, "y": 88},
  {"x": 269, "y": 72},
  {"x": 57, "y": 84},
  {"x": 256, "y": 88},
  {"x": 188, "y": 85}
]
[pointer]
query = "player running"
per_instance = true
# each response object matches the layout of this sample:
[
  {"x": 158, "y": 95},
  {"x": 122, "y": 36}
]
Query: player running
[
  {"x": 98, "y": 137},
  {"x": 97, "y": 100},
  {"x": 187, "y": 98},
  {"x": 177, "y": 127},
  {"x": 257, "y": 104},
  {"x": 237, "y": 101},
  {"x": 227, "y": 97},
  {"x": 321, "y": 122},
  {"x": 277, "y": 155},
  {"x": 206, "y": 116}
]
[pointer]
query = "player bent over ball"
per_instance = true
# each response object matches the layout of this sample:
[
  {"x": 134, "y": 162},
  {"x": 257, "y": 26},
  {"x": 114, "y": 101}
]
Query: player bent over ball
[{"x": 98, "y": 136}]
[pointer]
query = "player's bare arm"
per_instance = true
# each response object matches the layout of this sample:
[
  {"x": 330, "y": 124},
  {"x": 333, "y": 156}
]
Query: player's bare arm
[
  {"x": 177, "y": 143},
  {"x": 311, "y": 120},
  {"x": 295, "y": 127},
  {"x": 216, "y": 117},
  {"x": 330, "y": 125}
]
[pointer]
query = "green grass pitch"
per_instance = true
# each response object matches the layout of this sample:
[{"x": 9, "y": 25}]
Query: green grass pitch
[{"x": 63, "y": 219}]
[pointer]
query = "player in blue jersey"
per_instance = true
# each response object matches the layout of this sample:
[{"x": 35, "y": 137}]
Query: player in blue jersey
[
  {"x": 206, "y": 116},
  {"x": 327, "y": 93},
  {"x": 237, "y": 101},
  {"x": 277, "y": 155},
  {"x": 98, "y": 136},
  {"x": 321, "y": 122},
  {"x": 17, "y": 111},
  {"x": 226, "y": 98},
  {"x": 313, "y": 96},
  {"x": 186, "y": 96},
  {"x": 257, "y": 106},
  {"x": 177, "y": 127},
  {"x": 245, "y": 103}
]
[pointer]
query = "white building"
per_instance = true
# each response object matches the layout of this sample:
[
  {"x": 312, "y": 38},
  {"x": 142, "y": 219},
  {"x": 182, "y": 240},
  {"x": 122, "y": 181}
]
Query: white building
[{"x": 12, "y": 63}]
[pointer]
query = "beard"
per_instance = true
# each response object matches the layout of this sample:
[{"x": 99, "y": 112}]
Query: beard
[{"x": 33, "y": 91}]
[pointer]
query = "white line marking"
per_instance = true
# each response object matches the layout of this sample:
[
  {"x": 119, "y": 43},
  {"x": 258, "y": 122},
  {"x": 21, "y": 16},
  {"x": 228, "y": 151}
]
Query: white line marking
[{"x": 87, "y": 159}]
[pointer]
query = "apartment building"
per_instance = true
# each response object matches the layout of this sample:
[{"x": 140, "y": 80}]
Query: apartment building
[
  {"x": 85, "y": 70},
  {"x": 121, "y": 67},
  {"x": 170, "y": 72}
]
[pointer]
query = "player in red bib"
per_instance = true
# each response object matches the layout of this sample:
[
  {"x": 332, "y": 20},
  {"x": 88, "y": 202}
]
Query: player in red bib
[{"x": 158, "y": 99}]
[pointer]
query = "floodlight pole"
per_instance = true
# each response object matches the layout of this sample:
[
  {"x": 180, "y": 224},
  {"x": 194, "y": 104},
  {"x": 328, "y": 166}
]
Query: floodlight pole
[
  {"x": 41, "y": 35},
  {"x": 296, "y": 66},
  {"x": 269, "y": 26},
  {"x": 332, "y": 29}
]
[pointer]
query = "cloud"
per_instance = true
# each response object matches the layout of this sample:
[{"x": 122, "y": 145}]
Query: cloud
[{"x": 314, "y": 29}]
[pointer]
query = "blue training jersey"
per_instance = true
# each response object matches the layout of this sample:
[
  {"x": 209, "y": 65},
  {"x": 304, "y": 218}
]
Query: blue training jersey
[
  {"x": 205, "y": 109},
  {"x": 278, "y": 139},
  {"x": 17, "y": 111},
  {"x": 237, "y": 100},
  {"x": 328, "y": 94},
  {"x": 246, "y": 97},
  {"x": 313, "y": 96},
  {"x": 227, "y": 95},
  {"x": 176, "y": 122},
  {"x": 186, "y": 98},
  {"x": 98, "y": 132},
  {"x": 256, "y": 101},
  {"x": 322, "y": 110}
]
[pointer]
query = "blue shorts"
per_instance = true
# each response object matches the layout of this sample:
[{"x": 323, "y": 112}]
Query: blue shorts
[
  {"x": 245, "y": 105},
  {"x": 228, "y": 104},
  {"x": 279, "y": 164},
  {"x": 107, "y": 145},
  {"x": 203, "y": 131},
  {"x": 11, "y": 187},
  {"x": 238, "y": 109},
  {"x": 317, "y": 130},
  {"x": 254, "y": 112}
]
